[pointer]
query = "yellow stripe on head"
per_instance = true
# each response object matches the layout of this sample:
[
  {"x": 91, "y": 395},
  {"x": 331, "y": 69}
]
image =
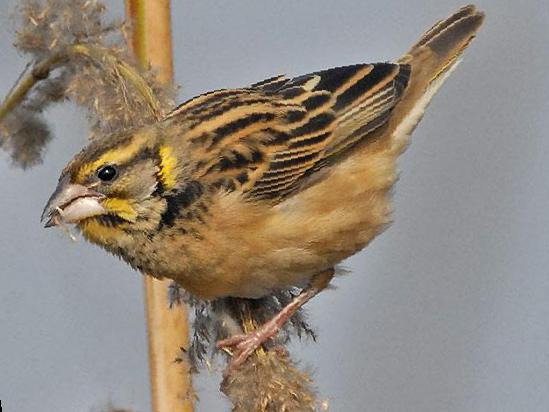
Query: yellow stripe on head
[
  {"x": 118, "y": 156},
  {"x": 168, "y": 164}
]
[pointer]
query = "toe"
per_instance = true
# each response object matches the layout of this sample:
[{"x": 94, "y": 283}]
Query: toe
[{"x": 230, "y": 341}]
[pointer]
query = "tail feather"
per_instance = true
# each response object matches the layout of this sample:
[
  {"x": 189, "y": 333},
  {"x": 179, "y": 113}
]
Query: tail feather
[
  {"x": 432, "y": 60},
  {"x": 441, "y": 46},
  {"x": 441, "y": 25}
]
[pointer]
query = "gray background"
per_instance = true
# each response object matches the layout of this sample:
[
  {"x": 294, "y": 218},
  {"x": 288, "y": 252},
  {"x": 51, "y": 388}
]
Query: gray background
[{"x": 446, "y": 311}]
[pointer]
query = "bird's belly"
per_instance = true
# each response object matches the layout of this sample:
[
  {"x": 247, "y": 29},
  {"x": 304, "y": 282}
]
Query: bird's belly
[{"x": 250, "y": 250}]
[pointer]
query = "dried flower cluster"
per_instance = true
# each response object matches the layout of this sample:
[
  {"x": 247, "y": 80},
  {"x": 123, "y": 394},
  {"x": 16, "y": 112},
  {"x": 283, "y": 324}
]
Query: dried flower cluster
[
  {"x": 270, "y": 382},
  {"x": 24, "y": 135},
  {"x": 76, "y": 56},
  {"x": 48, "y": 27}
]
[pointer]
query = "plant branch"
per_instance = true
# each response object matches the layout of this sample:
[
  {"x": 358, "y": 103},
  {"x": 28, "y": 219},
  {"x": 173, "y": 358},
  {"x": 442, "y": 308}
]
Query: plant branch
[
  {"x": 26, "y": 82},
  {"x": 100, "y": 56}
]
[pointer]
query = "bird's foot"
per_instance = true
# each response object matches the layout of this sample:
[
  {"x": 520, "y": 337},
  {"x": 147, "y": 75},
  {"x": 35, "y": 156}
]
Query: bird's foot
[{"x": 242, "y": 346}]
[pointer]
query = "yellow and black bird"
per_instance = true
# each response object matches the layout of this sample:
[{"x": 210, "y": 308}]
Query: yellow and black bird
[{"x": 242, "y": 192}]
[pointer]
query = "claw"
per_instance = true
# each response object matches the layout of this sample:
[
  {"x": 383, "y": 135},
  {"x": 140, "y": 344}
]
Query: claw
[{"x": 242, "y": 346}]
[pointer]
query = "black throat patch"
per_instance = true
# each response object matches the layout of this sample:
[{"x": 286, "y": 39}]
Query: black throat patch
[{"x": 177, "y": 202}]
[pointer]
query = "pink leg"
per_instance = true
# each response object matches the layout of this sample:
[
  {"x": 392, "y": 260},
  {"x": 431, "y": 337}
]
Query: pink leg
[{"x": 244, "y": 345}]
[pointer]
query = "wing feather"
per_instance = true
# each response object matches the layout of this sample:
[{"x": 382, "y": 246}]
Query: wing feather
[
  {"x": 267, "y": 138},
  {"x": 342, "y": 106}
]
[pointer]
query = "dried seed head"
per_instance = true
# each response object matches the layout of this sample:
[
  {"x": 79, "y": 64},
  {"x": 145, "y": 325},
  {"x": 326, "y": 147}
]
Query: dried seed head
[
  {"x": 24, "y": 135},
  {"x": 270, "y": 383},
  {"x": 92, "y": 67}
]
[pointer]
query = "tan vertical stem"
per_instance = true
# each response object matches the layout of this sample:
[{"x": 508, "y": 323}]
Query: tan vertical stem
[{"x": 167, "y": 329}]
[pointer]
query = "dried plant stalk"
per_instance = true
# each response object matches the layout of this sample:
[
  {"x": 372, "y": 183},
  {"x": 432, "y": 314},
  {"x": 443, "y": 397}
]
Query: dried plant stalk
[
  {"x": 168, "y": 329},
  {"x": 170, "y": 373}
]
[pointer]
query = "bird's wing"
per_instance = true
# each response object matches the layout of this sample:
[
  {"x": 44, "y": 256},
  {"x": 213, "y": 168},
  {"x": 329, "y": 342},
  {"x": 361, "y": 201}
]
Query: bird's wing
[
  {"x": 265, "y": 139},
  {"x": 338, "y": 108}
]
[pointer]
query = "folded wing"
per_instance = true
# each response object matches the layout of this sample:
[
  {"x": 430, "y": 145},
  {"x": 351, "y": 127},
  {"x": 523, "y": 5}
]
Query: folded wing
[
  {"x": 265, "y": 140},
  {"x": 331, "y": 111}
]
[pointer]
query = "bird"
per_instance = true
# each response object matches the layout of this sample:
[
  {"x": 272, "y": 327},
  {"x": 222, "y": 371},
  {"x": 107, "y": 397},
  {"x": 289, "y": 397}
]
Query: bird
[{"x": 246, "y": 191}]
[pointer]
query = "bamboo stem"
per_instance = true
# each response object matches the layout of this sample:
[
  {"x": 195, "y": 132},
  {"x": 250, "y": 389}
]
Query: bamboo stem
[{"x": 167, "y": 329}]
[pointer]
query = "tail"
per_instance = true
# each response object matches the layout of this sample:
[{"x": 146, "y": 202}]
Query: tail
[
  {"x": 440, "y": 47},
  {"x": 432, "y": 59}
]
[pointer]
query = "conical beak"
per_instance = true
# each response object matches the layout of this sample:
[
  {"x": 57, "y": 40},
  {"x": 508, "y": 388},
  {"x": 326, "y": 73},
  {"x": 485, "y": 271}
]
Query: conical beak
[{"x": 70, "y": 203}]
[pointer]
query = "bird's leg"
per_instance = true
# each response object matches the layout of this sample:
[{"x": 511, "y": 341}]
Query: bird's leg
[{"x": 244, "y": 345}]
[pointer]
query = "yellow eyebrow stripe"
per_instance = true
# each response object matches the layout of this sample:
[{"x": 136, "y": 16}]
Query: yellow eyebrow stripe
[
  {"x": 168, "y": 163},
  {"x": 114, "y": 156}
]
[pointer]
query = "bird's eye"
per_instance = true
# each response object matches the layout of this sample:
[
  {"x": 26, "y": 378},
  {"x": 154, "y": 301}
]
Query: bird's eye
[{"x": 107, "y": 173}]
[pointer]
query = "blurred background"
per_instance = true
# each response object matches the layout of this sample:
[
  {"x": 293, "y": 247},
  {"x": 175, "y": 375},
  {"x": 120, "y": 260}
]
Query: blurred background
[{"x": 446, "y": 311}]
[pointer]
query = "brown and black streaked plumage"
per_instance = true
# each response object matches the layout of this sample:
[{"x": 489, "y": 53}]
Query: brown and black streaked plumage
[{"x": 241, "y": 192}]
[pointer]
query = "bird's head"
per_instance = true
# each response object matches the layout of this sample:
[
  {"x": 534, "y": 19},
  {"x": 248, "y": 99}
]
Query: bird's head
[{"x": 115, "y": 182}]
